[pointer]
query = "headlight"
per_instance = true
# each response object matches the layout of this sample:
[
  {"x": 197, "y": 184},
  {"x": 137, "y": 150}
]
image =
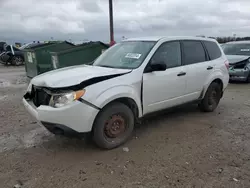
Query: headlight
[{"x": 59, "y": 100}]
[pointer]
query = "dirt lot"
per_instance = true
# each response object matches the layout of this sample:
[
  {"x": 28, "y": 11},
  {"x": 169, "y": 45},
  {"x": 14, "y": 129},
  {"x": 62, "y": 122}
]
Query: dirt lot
[{"x": 181, "y": 148}]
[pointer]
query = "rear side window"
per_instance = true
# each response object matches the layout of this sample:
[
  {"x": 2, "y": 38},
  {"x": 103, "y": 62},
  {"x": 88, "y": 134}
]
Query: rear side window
[
  {"x": 193, "y": 52},
  {"x": 213, "y": 49}
]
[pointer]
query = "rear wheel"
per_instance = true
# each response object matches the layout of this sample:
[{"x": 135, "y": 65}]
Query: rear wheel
[
  {"x": 113, "y": 126},
  {"x": 17, "y": 60},
  {"x": 212, "y": 98}
]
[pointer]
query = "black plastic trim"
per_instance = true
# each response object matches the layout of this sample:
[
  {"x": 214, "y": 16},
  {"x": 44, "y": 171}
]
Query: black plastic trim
[
  {"x": 59, "y": 129},
  {"x": 208, "y": 58},
  {"x": 142, "y": 94},
  {"x": 89, "y": 104}
]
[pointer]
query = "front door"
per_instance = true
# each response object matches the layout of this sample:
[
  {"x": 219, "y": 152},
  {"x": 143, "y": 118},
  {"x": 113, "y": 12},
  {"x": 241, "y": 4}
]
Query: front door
[{"x": 164, "y": 89}]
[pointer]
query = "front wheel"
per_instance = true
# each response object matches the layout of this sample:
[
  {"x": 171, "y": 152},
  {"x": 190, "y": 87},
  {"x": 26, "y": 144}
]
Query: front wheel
[
  {"x": 212, "y": 98},
  {"x": 113, "y": 126}
]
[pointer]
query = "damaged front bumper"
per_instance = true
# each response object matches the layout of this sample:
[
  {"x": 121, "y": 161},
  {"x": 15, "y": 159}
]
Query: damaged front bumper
[
  {"x": 239, "y": 74},
  {"x": 77, "y": 116}
]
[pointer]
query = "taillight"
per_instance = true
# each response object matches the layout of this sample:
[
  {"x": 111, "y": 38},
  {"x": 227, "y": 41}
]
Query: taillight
[{"x": 227, "y": 64}]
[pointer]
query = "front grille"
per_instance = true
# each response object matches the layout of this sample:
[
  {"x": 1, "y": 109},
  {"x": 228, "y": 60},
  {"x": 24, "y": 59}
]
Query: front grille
[{"x": 40, "y": 96}]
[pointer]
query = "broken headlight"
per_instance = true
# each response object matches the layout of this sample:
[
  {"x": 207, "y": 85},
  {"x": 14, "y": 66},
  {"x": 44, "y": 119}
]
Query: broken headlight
[{"x": 60, "y": 100}]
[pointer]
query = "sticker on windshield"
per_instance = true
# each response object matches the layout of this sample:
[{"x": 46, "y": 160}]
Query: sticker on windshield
[
  {"x": 245, "y": 50},
  {"x": 133, "y": 55}
]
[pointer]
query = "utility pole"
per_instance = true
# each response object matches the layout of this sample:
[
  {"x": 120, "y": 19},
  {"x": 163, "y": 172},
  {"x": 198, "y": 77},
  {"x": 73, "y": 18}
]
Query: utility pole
[{"x": 111, "y": 22}]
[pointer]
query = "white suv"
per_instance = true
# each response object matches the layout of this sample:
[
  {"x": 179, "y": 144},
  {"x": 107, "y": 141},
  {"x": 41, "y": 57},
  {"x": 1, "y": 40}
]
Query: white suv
[{"x": 128, "y": 81}]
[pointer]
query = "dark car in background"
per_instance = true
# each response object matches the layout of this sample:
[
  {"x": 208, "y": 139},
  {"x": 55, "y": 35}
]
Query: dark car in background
[
  {"x": 238, "y": 55},
  {"x": 12, "y": 55},
  {"x": 2, "y": 45},
  {"x": 15, "y": 56}
]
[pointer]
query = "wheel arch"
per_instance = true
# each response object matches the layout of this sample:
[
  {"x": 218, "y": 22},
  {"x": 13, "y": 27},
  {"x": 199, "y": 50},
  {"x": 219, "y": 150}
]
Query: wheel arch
[
  {"x": 131, "y": 103},
  {"x": 215, "y": 80},
  {"x": 127, "y": 95},
  {"x": 19, "y": 55},
  {"x": 219, "y": 81}
]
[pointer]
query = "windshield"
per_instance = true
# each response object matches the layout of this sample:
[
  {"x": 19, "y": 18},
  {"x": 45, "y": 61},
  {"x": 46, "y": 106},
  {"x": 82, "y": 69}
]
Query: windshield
[
  {"x": 237, "y": 49},
  {"x": 8, "y": 48},
  {"x": 125, "y": 55}
]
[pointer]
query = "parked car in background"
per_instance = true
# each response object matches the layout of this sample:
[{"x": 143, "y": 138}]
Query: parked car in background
[
  {"x": 12, "y": 55},
  {"x": 238, "y": 54},
  {"x": 125, "y": 83},
  {"x": 2, "y": 45},
  {"x": 222, "y": 45},
  {"x": 15, "y": 56}
]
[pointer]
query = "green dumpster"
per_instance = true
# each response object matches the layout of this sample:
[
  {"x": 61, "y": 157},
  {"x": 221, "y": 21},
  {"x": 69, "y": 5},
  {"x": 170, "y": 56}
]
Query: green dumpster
[
  {"x": 38, "y": 58},
  {"x": 82, "y": 54}
]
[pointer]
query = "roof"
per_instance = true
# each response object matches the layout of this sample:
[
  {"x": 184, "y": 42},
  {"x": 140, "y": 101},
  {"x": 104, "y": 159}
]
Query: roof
[
  {"x": 157, "y": 38},
  {"x": 239, "y": 42}
]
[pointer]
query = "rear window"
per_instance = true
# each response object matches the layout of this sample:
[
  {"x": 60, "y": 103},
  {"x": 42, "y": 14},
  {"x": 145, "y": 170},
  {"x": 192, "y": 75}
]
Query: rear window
[
  {"x": 8, "y": 48},
  {"x": 193, "y": 52},
  {"x": 213, "y": 49},
  {"x": 237, "y": 49}
]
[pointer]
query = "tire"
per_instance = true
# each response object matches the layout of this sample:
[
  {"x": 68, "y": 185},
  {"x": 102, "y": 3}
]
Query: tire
[
  {"x": 113, "y": 126},
  {"x": 212, "y": 98},
  {"x": 17, "y": 61},
  {"x": 248, "y": 79}
]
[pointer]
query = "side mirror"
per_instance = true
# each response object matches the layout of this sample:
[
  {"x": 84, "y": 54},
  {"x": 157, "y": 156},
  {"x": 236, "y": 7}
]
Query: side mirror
[{"x": 159, "y": 66}]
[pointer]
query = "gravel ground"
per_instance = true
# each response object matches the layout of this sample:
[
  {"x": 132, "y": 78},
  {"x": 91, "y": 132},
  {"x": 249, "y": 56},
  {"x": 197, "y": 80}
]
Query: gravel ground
[{"x": 179, "y": 148}]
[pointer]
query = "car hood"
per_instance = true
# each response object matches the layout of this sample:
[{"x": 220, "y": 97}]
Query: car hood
[
  {"x": 75, "y": 75},
  {"x": 233, "y": 59}
]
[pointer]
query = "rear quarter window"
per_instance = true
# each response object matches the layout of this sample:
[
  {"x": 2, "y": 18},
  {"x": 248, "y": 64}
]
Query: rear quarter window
[{"x": 212, "y": 49}]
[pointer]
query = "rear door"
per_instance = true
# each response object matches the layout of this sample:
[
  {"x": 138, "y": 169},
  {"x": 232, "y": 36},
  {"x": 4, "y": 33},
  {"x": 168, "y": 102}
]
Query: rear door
[
  {"x": 198, "y": 68},
  {"x": 164, "y": 89}
]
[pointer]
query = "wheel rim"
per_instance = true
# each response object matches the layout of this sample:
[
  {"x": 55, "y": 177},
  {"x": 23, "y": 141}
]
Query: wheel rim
[
  {"x": 18, "y": 60},
  {"x": 115, "y": 126}
]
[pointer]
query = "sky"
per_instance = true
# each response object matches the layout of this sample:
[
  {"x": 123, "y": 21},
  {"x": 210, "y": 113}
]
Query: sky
[{"x": 77, "y": 20}]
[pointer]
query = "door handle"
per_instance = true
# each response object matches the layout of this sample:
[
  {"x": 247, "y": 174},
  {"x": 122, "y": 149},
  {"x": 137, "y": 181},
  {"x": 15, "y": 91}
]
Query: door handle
[
  {"x": 210, "y": 68},
  {"x": 181, "y": 74}
]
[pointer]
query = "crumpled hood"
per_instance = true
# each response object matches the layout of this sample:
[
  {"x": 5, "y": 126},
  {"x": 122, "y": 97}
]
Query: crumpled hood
[
  {"x": 74, "y": 75},
  {"x": 233, "y": 59}
]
